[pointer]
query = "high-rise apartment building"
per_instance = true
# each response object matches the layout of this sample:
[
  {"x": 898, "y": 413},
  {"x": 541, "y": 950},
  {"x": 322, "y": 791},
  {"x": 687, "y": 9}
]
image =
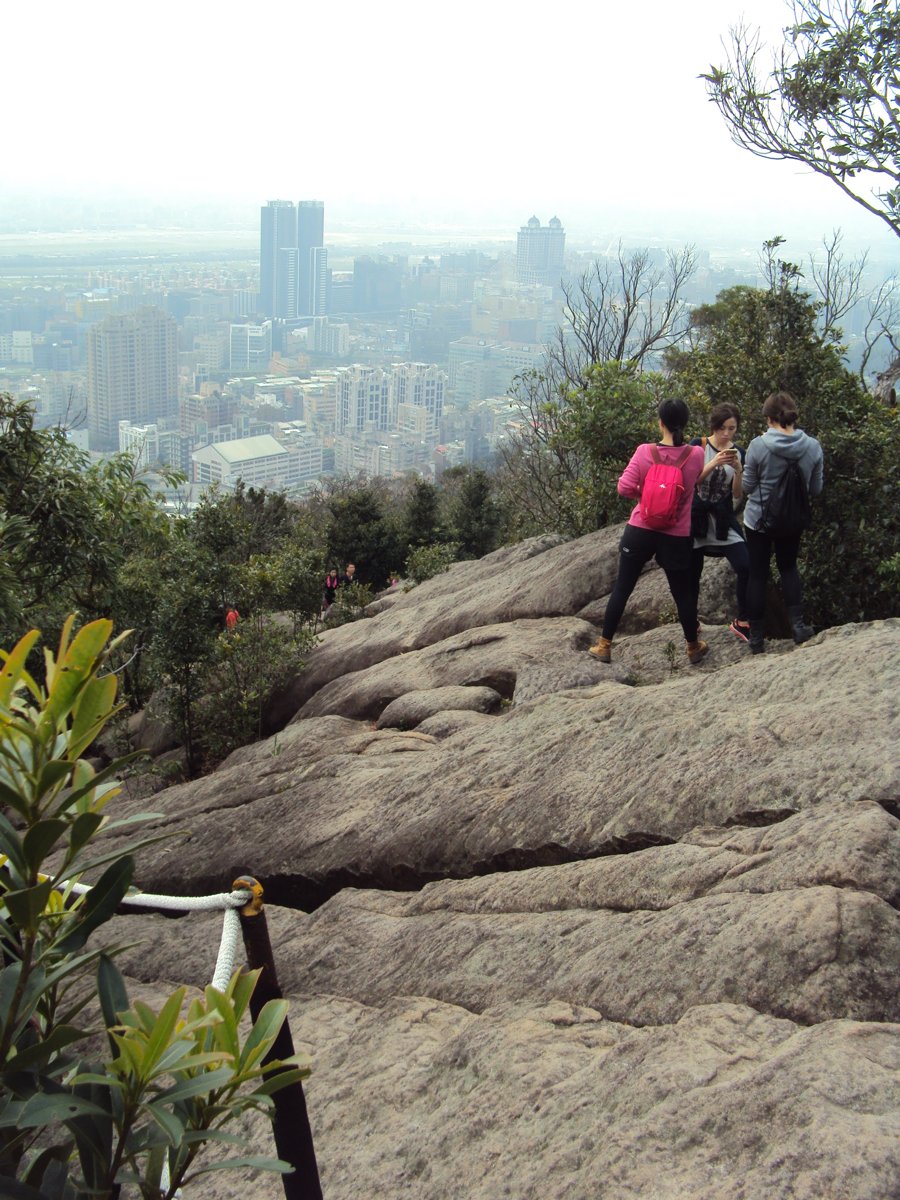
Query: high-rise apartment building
[
  {"x": 417, "y": 398},
  {"x": 292, "y": 259},
  {"x": 363, "y": 399},
  {"x": 540, "y": 251},
  {"x": 132, "y": 371}
]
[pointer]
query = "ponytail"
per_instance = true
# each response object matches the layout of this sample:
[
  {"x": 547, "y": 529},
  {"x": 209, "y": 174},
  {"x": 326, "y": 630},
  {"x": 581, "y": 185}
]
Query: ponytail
[{"x": 675, "y": 415}]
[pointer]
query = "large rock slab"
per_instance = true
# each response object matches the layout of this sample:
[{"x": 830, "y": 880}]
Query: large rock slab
[
  {"x": 330, "y": 802},
  {"x": 798, "y": 920},
  {"x": 425, "y": 1100}
]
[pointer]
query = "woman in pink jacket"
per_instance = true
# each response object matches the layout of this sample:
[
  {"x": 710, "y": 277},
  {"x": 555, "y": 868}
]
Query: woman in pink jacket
[{"x": 643, "y": 538}]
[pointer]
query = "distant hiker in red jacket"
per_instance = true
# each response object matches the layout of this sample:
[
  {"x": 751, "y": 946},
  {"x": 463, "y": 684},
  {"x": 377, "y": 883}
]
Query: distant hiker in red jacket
[{"x": 232, "y": 616}]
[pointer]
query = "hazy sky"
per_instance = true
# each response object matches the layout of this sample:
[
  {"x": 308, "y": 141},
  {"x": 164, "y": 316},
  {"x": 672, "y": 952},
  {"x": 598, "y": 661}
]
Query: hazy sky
[{"x": 457, "y": 111}]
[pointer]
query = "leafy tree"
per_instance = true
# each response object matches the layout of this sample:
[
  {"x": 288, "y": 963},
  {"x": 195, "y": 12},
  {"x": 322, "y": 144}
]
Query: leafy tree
[
  {"x": 73, "y": 1126},
  {"x": 830, "y": 101},
  {"x": 186, "y": 620},
  {"x": 475, "y": 516},
  {"x": 359, "y": 531},
  {"x": 752, "y": 342},
  {"x": 561, "y": 473},
  {"x": 66, "y": 526},
  {"x": 420, "y": 521}
]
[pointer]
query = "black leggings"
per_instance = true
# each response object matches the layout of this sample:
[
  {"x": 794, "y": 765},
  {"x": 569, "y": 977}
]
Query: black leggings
[
  {"x": 786, "y": 551},
  {"x": 673, "y": 554},
  {"x": 739, "y": 561}
]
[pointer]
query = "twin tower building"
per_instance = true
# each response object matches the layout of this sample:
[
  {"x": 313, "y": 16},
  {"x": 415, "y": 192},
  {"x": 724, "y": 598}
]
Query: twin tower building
[{"x": 293, "y": 262}]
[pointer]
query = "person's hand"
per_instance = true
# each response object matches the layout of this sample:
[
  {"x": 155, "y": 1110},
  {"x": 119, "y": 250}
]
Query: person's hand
[{"x": 727, "y": 458}]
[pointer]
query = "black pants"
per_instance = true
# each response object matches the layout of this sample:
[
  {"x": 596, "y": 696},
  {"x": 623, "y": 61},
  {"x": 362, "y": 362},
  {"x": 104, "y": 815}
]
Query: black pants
[
  {"x": 786, "y": 550},
  {"x": 673, "y": 554},
  {"x": 739, "y": 560}
]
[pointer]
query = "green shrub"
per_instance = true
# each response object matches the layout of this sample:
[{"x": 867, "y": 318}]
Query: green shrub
[
  {"x": 428, "y": 561},
  {"x": 72, "y": 1127}
]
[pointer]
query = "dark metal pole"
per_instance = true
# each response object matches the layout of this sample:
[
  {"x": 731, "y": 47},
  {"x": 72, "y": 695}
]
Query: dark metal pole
[{"x": 290, "y": 1124}]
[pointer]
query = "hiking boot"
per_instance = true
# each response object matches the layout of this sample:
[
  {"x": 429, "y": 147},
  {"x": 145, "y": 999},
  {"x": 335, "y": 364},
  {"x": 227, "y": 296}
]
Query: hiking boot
[
  {"x": 757, "y": 637},
  {"x": 740, "y": 629},
  {"x": 695, "y": 651},
  {"x": 602, "y": 651},
  {"x": 802, "y": 631}
]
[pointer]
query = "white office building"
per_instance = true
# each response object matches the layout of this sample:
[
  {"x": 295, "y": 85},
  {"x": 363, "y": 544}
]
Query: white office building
[{"x": 261, "y": 462}]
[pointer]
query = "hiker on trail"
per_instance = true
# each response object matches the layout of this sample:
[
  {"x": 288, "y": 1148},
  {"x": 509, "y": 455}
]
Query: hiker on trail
[
  {"x": 232, "y": 616},
  {"x": 332, "y": 583},
  {"x": 783, "y": 469},
  {"x": 661, "y": 477},
  {"x": 349, "y": 575},
  {"x": 715, "y": 528}
]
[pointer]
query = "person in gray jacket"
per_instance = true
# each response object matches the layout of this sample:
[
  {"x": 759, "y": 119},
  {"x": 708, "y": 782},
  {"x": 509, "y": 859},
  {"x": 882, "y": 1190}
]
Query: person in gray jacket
[{"x": 767, "y": 460}]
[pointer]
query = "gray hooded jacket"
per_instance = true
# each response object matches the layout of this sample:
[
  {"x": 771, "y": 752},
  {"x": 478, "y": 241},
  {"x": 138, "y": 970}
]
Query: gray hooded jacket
[{"x": 767, "y": 459}]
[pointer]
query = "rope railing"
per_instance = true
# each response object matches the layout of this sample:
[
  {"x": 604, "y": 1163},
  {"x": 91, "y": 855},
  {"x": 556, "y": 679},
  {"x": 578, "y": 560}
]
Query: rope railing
[{"x": 244, "y": 917}]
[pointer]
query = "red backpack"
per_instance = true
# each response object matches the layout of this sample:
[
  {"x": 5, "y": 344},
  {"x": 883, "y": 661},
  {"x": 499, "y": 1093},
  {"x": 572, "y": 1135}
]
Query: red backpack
[{"x": 662, "y": 490}]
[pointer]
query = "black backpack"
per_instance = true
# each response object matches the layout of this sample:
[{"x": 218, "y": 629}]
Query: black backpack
[{"x": 786, "y": 512}]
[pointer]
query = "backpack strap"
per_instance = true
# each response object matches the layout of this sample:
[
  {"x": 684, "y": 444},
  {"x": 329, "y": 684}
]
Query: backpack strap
[
  {"x": 703, "y": 442},
  {"x": 679, "y": 461}
]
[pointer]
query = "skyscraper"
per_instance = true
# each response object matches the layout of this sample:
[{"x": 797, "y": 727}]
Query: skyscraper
[
  {"x": 132, "y": 370},
  {"x": 292, "y": 259},
  {"x": 540, "y": 251},
  {"x": 313, "y": 256}
]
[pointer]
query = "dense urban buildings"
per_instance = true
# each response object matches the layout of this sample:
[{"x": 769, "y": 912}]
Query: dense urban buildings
[{"x": 391, "y": 357}]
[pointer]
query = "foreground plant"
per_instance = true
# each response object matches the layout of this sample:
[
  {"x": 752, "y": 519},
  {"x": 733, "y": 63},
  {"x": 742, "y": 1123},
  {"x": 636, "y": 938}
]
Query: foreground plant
[{"x": 71, "y": 1124}]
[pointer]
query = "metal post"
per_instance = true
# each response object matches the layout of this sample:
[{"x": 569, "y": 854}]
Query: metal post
[{"x": 290, "y": 1124}]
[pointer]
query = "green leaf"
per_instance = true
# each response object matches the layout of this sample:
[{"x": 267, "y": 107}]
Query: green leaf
[
  {"x": 257, "y": 1163},
  {"x": 265, "y": 1027},
  {"x": 197, "y": 1085},
  {"x": 108, "y": 772},
  {"x": 52, "y": 775},
  {"x": 168, "y": 1122},
  {"x": 25, "y": 905},
  {"x": 45, "y": 1109},
  {"x": 13, "y": 670},
  {"x": 70, "y": 675},
  {"x": 101, "y": 903},
  {"x": 111, "y": 989},
  {"x": 91, "y": 711},
  {"x": 40, "y": 839},
  {"x": 13, "y": 798},
  {"x": 84, "y": 827},
  {"x": 44, "y": 1050},
  {"x": 11, "y": 845},
  {"x": 164, "y": 1027}
]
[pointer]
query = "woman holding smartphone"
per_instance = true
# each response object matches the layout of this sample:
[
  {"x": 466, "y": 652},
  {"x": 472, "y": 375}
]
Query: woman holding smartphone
[{"x": 714, "y": 526}]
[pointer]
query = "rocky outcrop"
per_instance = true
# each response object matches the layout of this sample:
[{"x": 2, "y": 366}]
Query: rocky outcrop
[
  {"x": 541, "y": 577},
  {"x": 556, "y": 928}
]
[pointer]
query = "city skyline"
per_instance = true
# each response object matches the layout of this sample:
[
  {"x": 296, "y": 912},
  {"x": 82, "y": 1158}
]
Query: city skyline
[{"x": 584, "y": 113}]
